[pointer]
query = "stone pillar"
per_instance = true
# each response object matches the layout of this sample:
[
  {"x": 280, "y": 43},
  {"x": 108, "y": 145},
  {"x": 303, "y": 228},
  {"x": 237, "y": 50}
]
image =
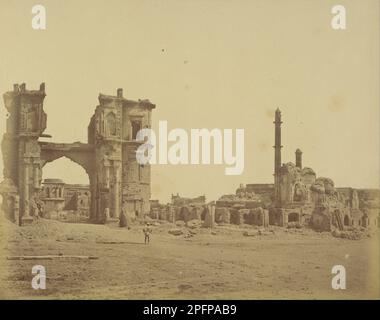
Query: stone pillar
[
  {"x": 103, "y": 206},
  {"x": 265, "y": 218},
  {"x": 130, "y": 131},
  {"x": 106, "y": 214},
  {"x": 94, "y": 197},
  {"x": 26, "y": 189},
  {"x": 36, "y": 175},
  {"x": 116, "y": 194},
  {"x": 283, "y": 218},
  {"x": 107, "y": 176},
  {"x": 210, "y": 217},
  {"x": 16, "y": 209},
  {"x": 26, "y": 218}
]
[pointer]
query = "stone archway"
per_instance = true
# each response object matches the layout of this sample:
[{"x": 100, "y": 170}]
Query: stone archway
[
  {"x": 81, "y": 153},
  {"x": 183, "y": 214},
  {"x": 109, "y": 157},
  {"x": 346, "y": 220}
]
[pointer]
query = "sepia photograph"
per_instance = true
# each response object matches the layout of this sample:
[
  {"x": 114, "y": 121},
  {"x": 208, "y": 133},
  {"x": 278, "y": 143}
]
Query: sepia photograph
[{"x": 189, "y": 149}]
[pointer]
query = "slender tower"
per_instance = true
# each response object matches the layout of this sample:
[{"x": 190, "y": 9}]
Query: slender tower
[
  {"x": 299, "y": 158},
  {"x": 277, "y": 158}
]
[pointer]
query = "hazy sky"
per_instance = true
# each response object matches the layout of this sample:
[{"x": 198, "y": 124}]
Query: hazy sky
[{"x": 209, "y": 64}]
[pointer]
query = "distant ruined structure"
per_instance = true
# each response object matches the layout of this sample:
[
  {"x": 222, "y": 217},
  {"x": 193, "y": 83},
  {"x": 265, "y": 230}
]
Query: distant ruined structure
[
  {"x": 180, "y": 209},
  {"x": 296, "y": 198},
  {"x": 117, "y": 182},
  {"x": 303, "y": 198},
  {"x": 60, "y": 199},
  {"x": 299, "y": 197},
  {"x": 182, "y": 201}
]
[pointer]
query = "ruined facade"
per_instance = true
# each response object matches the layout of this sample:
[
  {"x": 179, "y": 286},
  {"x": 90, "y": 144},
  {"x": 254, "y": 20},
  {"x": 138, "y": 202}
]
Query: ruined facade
[
  {"x": 189, "y": 211},
  {"x": 247, "y": 206},
  {"x": 77, "y": 199},
  {"x": 180, "y": 209},
  {"x": 298, "y": 197},
  {"x": 52, "y": 197},
  {"x": 59, "y": 198},
  {"x": 117, "y": 182}
]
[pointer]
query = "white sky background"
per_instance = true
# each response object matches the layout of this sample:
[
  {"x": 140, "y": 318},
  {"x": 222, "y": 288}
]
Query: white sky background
[{"x": 223, "y": 64}]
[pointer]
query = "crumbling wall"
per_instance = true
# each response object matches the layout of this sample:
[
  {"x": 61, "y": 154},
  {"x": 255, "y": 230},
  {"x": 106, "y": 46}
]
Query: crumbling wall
[
  {"x": 222, "y": 215},
  {"x": 321, "y": 219}
]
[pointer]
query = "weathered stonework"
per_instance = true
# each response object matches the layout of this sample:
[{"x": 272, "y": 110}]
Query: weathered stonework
[
  {"x": 59, "y": 199},
  {"x": 117, "y": 182},
  {"x": 298, "y": 197}
]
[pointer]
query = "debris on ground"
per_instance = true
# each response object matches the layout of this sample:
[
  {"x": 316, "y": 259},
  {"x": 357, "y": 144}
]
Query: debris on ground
[
  {"x": 194, "y": 223},
  {"x": 352, "y": 234},
  {"x": 251, "y": 233},
  {"x": 175, "y": 232}
]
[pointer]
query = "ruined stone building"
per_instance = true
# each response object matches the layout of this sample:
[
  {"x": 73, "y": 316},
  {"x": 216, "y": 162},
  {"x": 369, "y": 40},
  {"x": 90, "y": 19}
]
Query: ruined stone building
[
  {"x": 292, "y": 185},
  {"x": 249, "y": 205},
  {"x": 117, "y": 182},
  {"x": 59, "y": 198},
  {"x": 303, "y": 198},
  {"x": 298, "y": 196},
  {"x": 180, "y": 208},
  {"x": 179, "y": 201}
]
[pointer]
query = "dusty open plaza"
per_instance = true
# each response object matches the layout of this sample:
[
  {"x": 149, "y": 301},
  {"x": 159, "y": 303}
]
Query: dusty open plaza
[
  {"x": 190, "y": 150},
  {"x": 199, "y": 264}
]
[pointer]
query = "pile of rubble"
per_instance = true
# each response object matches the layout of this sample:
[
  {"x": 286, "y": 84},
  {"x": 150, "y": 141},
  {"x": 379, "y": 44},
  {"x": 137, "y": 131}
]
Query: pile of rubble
[{"x": 352, "y": 233}]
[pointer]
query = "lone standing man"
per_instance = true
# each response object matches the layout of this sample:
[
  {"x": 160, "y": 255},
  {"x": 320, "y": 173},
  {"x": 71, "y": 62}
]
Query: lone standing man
[{"x": 147, "y": 231}]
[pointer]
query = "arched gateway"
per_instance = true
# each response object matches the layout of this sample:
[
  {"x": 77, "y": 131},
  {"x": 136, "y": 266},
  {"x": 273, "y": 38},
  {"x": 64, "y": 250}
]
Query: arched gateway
[{"x": 117, "y": 181}]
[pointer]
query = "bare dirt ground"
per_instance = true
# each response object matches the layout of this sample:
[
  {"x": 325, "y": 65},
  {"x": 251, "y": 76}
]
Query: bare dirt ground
[{"x": 223, "y": 264}]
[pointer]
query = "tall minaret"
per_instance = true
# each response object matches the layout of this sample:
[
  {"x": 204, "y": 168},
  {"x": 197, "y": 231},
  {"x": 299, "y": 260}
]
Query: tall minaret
[
  {"x": 299, "y": 158},
  {"x": 277, "y": 158}
]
